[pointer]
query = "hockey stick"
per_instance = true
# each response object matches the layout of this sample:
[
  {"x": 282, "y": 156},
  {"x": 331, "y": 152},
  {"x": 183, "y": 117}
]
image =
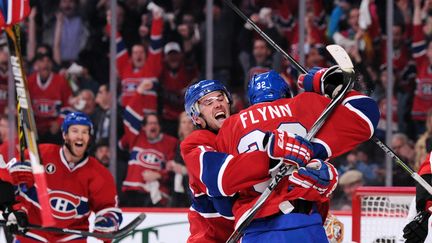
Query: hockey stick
[
  {"x": 343, "y": 60},
  {"x": 111, "y": 235},
  {"x": 404, "y": 166},
  {"x": 27, "y": 124}
]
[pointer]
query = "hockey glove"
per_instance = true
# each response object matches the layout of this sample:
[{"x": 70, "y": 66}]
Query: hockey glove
[
  {"x": 21, "y": 172},
  {"x": 417, "y": 230},
  {"x": 13, "y": 12},
  {"x": 107, "y": 222},
  {"x": 16, "y": 220},
  {"x": 291, "y": 148},
  {"x": 315, "y": 182},
  {"x": 324, "y": 81}
]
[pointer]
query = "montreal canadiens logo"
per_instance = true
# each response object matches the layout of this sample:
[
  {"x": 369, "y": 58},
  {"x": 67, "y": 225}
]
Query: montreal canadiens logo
[
  {"x": 149, "y": 158},
  {"x": 64, "y": 204},
  {"x": 50, "y": 168}
]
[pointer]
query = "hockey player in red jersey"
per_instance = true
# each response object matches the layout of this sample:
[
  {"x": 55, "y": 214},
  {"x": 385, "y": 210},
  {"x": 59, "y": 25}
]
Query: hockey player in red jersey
[
  {"x": 207, "y": 103},
  {"x": 282, "y": 217},
  {"x": 77, "y": 183}
]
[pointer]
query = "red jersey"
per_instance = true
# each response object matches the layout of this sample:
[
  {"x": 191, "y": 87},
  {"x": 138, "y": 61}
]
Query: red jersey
[
  {"x": 349, "y": 125},
  {"x": 131, "y": 77},
  {"x": 75, "y": 191},
  {"x": 4, "y": 150},
  {"x": 423, "y": 91},
  {"x": 210, "y": 216},
  {"x": 145, "y": 155},
  {"x": 49, "y": 100}
]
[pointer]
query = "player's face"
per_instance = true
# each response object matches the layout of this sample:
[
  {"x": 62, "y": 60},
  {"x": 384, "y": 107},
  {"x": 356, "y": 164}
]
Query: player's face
[
  {"x": 78, "y": 137},
  {"x": 152, "y": 127},
  {"x": 138, "y": 56},
  {"x": 214, "y": 109}
]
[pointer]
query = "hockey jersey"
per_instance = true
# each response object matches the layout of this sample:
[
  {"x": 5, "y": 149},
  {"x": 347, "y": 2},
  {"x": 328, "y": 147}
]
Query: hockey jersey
[
  {"x": 131, "y": 77},
  {"x": 351, "y": 123},
  {"x": 423, "y": 91},
  {"x": 75, "y": 191},
  {"x": 210, "y": 206},
  {"x": 50, "y": 100},
  {"x": 145, "y": 155}
]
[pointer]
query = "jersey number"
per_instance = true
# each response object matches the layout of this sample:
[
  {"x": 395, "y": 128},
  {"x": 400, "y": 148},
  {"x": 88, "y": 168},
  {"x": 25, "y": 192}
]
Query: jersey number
[{"x": 253, "y": 140}]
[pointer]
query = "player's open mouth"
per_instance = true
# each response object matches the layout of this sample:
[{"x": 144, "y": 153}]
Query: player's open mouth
[
  {"x": 79, "y": 144},
  {"x": 220, "y": 116}
]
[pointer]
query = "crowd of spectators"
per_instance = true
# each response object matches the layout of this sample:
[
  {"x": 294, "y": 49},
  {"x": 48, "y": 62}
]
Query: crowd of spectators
[{"x": 161, "y": 50}]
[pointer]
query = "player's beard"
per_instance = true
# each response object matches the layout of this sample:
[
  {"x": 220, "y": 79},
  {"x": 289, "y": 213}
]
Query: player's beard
[{"x": 72, "y": 149}]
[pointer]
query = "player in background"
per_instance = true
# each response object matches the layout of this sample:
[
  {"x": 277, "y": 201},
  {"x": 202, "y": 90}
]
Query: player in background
[
  {"x": 147, "y": 180},
  {"x": 420, "y": 228},
  {"x": 77, "y": 183},
  {"x": 142, "y": 67},
  {"x": 284, "y": 217}
]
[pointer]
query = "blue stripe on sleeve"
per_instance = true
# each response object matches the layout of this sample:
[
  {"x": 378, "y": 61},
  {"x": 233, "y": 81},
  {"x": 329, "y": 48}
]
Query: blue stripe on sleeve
[
  {"x": 156, "y": 43},
  {"x": 120, "y": 46},
  {"x": 368, "y": 107},
  {"x": 132, "y": 120},
  {"x": 212, "y": 164},
  {"x": 208, "y": 205}
]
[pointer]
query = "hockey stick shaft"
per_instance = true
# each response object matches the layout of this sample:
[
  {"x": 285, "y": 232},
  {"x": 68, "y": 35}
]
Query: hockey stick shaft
[
  {"x": 27, "y": 124},
  {"x": 297, "y": 65},
  {"x": 111, "y": 235},
  {"x": 404, "y": 166}
]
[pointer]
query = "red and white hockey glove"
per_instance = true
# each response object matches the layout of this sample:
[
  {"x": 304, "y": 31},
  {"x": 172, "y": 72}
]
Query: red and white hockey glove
[
  {"x": 291, "y": 148},
  {"x": 21, "y": 172},
  {"x": 315, "y": 182},
  {"x": 107, "y": 222},
  {"x": 13, "y": 12},
  {"x": 324, "y": 81}
]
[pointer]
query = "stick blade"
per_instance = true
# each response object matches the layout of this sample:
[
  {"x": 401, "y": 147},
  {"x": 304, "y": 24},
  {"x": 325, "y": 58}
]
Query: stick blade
[{"x": 341, "y": 57}]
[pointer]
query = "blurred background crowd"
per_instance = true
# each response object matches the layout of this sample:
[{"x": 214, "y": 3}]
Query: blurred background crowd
[{"x": 161, "y": 49}]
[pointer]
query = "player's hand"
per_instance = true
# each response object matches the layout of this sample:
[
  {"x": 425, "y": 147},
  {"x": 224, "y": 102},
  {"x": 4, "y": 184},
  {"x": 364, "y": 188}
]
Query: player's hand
[
  {"x": 324, "y": 81},
  {"x": 315, "y": 182},
  {"x": 291, "y": 148},
  {"x": 156, "y": 10},
  {"x": 21, "y": 172},
  {"x": 13, "y": 12},
  {"x": 107, "y": 222},
  {"x": 417, "y": 230},
  {"x": 16, "y": 220}
]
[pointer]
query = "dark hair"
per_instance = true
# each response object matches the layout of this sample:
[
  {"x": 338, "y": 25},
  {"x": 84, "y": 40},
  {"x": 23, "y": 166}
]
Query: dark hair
[
  {"x": 102, "y": 142},
  {"x": 150, "y": 114}
]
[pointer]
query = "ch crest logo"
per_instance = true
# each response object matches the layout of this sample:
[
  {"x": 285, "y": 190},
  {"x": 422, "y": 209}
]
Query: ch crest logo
[
  {"x": 64, "y": 204},
  {"x": 50, "y": 168}
]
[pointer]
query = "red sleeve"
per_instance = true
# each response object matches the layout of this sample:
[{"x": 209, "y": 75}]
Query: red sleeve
[
  {"x": 153, "y": 64},
  {"x": 418, "y": 43},
  {"x": 346, "y": 127},
  {"x": 205, "y": 164},
  {"x": 103, "y": 193}
]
